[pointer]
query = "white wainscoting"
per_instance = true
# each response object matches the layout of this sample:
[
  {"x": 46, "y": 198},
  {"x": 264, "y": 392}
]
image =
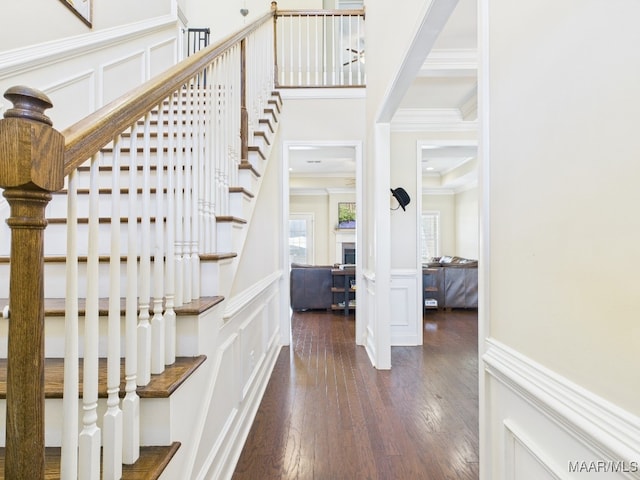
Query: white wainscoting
[
  {"x": 368, "y": 314},
  {"x": 540, "y": 425},
  {"x": 70, "y": 71},
  {"x": 242, "y": 358},
  {"x": 122, "y": 74},
  {"x": 406, "y": 312}
]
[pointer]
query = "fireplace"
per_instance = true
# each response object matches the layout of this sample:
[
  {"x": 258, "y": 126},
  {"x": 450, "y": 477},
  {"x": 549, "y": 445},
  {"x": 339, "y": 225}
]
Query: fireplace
[
  {"x": 345, "y": 246},
  {"x": 349, "y": 253}
]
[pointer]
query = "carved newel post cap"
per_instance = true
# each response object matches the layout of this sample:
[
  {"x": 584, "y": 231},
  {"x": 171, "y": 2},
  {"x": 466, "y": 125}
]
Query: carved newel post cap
[
  {"x": 28, "y": 103},
  {"x": 32, "y": 152}
]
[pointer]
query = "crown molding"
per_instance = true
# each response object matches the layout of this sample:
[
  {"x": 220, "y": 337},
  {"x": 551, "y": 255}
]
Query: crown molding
[
  {"x": 322, "y": 93},
  {"x": 308, "y": 192},
  {"x": 321, "y": 192},
  {"x": 431, "y": 120}
]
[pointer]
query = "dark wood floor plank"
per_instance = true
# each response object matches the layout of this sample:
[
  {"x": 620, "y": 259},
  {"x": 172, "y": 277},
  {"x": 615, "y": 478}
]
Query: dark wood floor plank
[{"x": 328, "y": 414}]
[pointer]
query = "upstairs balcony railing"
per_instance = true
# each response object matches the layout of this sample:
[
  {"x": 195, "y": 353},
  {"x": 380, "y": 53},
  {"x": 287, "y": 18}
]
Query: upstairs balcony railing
[{"x": 320, "y": 48}]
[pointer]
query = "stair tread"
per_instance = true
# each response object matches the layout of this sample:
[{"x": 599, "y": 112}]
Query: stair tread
[
  {"x": 161, "y": 385},
  {"x": 56, "y": 306},
  {"x": 123, "y": 258},
  {"x": 150, "y": 465}
]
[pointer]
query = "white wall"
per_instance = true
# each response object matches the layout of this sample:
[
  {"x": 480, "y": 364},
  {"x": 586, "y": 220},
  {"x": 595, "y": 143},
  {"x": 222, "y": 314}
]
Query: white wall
[
  {"x": 446, "y": 205},
  {"x": 82, "y": 73},
  {"x": 318, "y": 117},
  {"x": 466, "y": 221},
  {"x": 37, "y": 21},
  {"x": 559, "y": 111}
]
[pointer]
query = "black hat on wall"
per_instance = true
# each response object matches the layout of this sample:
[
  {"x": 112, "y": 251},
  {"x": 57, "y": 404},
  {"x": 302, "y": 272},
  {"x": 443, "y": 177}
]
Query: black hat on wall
[{"x": 401, "y": 195}]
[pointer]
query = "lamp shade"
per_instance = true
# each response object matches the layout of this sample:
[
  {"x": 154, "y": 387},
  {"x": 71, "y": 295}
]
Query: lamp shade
[{"x": 401, "y": 195}]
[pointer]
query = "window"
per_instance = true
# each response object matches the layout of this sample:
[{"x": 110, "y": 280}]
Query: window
[
  {"x": 430, "y": 235},
  {"x": 301, "y": 238}
]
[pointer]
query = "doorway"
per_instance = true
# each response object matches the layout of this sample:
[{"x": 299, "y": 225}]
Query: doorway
[{"x": 317, "y": 178}]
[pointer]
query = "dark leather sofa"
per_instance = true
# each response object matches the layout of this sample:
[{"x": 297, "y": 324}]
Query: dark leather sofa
[
  {"x": 310, "y": 287},
  {"x": 455, "y": 279}
]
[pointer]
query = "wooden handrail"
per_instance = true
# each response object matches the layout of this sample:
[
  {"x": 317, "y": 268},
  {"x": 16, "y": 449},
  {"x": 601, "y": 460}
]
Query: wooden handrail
[
  {"x": 86, "y": 137},
  {"x": 324, "y": 13}
]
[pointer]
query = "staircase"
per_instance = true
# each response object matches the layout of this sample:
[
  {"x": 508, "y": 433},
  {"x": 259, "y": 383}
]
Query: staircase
[{"x": 140, "y": 255}]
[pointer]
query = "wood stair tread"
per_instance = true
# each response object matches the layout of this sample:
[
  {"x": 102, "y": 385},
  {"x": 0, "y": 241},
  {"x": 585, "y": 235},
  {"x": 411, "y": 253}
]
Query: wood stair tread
[
  {"x": 123, "y": 258},
  {"x": 55, "y": 307},
  {"x": 162, "y": 385},
  {"x": 150, "y": 465}
]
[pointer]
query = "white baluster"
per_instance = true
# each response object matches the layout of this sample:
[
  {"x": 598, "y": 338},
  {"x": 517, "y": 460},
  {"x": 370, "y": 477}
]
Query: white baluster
[
  {"x": 188, "y": 190},
  {"x": 144, "y": 327},
  {"x": 89, "y": 441},
  {"x": 112, "y": 421},
  {"x": 334, "y": 53},
  {"x": 170, "y": 314},
  {"x": 291, "y": 57},
  {"x": 317, "y": 51},
  {"x": 195, "y": 195},
  {"x": 206, "y": 234},
  {"x": 131, "y": 402},
  {"x": 179, "y": 203},
  {"x": 69, "y": 455},
  {"x": 157, "y": 322},
  {"x": 308, "y": 51}
]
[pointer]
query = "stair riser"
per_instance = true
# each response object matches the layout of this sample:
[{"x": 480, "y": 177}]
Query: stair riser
[
  {"x": 248, "y": 180},
  {"x": 57, "y": 208},
  {"x": 229, "y": 237},
  {"x": 239, "y": 205},
  {"x": 257, "y": 161},
  {"x": 55, "y": 238},
  {"x": 186, "y": 332},
  {"x": 105, "y": 179},
  {"x": 155, "y": 424},
  {"x": 55, "y": 279}
]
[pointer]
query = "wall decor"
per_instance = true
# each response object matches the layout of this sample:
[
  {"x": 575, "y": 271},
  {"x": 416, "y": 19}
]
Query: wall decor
[
  {"x": 81, "y": 8},
  {"x": 346, "y": 215}
]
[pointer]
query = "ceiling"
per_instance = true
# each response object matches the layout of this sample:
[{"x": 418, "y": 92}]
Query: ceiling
[{"x": 441, "y": 102}]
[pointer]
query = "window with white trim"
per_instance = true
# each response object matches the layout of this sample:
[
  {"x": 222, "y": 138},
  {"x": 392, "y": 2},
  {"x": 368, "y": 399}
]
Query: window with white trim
[
  {"x": 430, "y": 235},
  {"x": 301, "y": 238}
]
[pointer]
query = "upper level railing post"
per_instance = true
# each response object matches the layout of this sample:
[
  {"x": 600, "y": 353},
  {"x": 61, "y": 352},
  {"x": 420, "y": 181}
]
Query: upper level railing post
[
  {"x": 244, "y": 113},
  {"x": 274, "y": 9},
  {"x": 31, "y": 167}
]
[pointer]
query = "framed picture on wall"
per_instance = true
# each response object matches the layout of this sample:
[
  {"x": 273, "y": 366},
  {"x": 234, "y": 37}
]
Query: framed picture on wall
[
  {"x": 81, "y": 8},
  {"x": 346, "y": 215}
]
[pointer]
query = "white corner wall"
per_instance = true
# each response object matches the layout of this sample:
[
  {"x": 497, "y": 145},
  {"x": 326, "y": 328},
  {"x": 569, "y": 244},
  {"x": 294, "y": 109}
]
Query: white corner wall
[{"x": 560, "y": 331}]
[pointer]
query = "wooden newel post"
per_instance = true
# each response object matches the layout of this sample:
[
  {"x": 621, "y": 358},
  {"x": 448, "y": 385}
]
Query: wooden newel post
[{"x": 31, "y": 166}]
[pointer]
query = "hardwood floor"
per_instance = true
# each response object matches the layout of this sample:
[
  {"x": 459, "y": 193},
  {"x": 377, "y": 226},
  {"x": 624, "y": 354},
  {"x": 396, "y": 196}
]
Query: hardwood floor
[{"x": 328, "y": 415}]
